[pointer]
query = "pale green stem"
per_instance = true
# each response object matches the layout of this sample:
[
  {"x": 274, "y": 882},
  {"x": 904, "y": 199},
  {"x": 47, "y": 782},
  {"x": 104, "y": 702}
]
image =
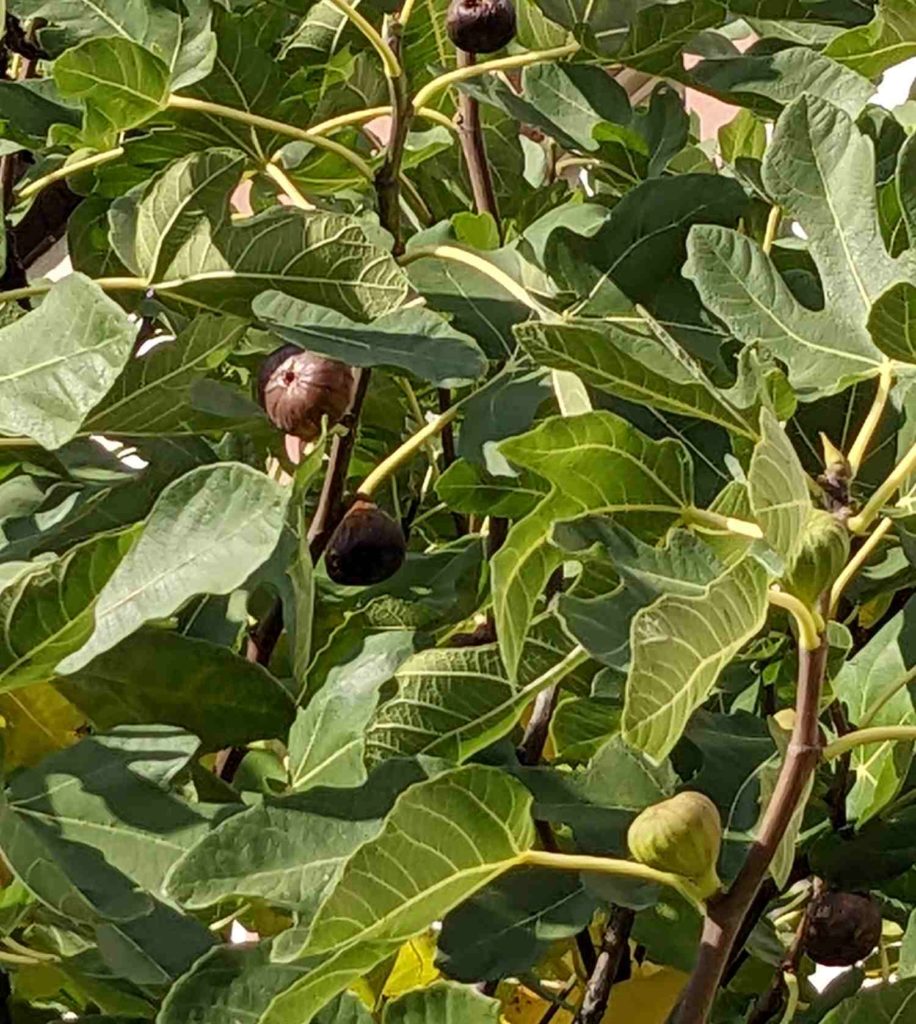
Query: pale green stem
[
  {"x": 371, "y": 113},
  {"x": 863, "y": 438},
  {"x": 791, "y": 997},
  {"x": 405, "y": 12},
  {"x": 808, "y": 627},
  {"x": 861, "y": 522},
  {"x": 769, "y": 236},
  {"x": 613, "y": 866},
  {"x": 390, "y": 61},
  {"x": 407, "y": 451},
  {"x": 66, "y": 170},
  {"x": 704, "y": 519},
  {"x": 177, "y": 102},
  {"x": 107, "y": 284},
  {"x": 478, "y": 263},
  {"x": 287, "y": 187},
  {"x": 520, "y": 60},
  {"x": 855, "y": 564},
  {"x": 876, "y": 734}
]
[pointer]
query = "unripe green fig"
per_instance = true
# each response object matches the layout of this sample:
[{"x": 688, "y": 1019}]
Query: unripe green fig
[
  {"x": 841, "y": 928},
  {"x": 480, "y": 26},
  {"x": 367, "y": 547},
  {"x": 297, "y": 388},
  {"x": 821, "y": 560},
  {"x": 682, "y": 835}
]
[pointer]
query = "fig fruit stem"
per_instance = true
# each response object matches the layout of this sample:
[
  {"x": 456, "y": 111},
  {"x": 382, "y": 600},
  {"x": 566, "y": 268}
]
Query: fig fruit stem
[
  {"x": 613, "y": 866},
  {"x": 704, "y": 519},
  {"x": 406, "y": 452},
  {"x": 66, "y": 170},
  {"x": 520, "y": 60},
  {"x": 725, "y": 913},
  {"x": 856, "y": 562},
  {"x": 866, "y": 433},
  {"x": 177, "y": 102},
  {"x": 895, "y": 480},
  {"x": 478, "y": 263},
  {"x": 389, "y": 59},
  {"x": 808, "y": 627},
  {"x": 875, "y": 734}
]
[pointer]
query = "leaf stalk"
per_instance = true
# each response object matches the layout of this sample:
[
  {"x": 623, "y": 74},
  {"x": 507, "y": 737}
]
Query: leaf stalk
[
  {"x": 855, "y": 564},
  {"x": 874, "y": 734},
  {"x": 863, "y": 439},
  {"x": 805, "y": 619}
]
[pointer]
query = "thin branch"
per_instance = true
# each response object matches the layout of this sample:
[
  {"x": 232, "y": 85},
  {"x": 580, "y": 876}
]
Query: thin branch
[
  {"x": 613, "y": 946},
  {"x": 176, "y": 102},
  {"x": 531, "y": 748},
  {"x": 875, "y": 734},
  {"x": 476, "y": 262},
  {"x": 470, "y": 131},
  {"x": 863, "y": 439},
  {"x": 521, "y": 60},
  {"x": 726, "y": 913},
  {"x": 855, "y": 564},
  {"x": 328, "y": 511}
]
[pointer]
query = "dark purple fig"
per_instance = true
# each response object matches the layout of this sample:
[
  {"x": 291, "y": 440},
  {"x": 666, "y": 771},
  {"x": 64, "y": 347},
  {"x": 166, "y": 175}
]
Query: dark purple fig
[
  {"x": 367, "y": 547},
  {"x": 296, "y": 388},
  {"x": 480, "y": 26},
  {"x": 841, "y": 928},
  {"x": 485, "y": 633}
]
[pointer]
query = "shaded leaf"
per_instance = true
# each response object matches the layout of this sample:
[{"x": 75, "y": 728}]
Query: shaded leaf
[{"x": 442, "y": 1003}]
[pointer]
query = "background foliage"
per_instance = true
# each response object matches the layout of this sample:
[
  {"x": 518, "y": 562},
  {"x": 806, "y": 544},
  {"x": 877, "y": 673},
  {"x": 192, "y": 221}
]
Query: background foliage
[{"x": 633, "y": 361}]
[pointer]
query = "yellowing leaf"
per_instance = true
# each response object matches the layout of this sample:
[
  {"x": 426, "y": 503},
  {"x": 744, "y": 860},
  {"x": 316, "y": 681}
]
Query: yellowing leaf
[
  {"x": 648, "y": 997},
  {"x": 414, "y": 967}
]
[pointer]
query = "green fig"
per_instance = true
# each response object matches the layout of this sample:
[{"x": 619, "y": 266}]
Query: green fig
[
  {"x": 824, "y": 553},
  {"x": 682, "y": 836}
]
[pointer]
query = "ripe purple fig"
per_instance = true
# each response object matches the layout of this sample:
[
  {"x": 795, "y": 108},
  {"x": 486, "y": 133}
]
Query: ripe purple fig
[
  {"x": 480, "y": 26},
  {"x": 367, "y": 547},
  {"x": 296, "y": 388},
  {"x": 841, "y": 928}
]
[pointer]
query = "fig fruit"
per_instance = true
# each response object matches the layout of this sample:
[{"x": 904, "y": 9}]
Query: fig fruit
[
  {"x": 683, "y": 836},
  {"x": 296, "y": 388},
  {"x": 480, "y": 26},
  {"x": 367, "y": 547},
  {"x": 841, "y": 928},
  {"x": 824, "y": 552}
]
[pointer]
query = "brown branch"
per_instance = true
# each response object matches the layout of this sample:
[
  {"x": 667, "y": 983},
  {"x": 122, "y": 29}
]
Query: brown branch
[
  {"x": 614, "y": 944},
  {"x": 470, "y": 132},
  {"x": 534, "y": 739},
  {"x": 726, "y": 913},
  {"x": 388, "y": 177}
]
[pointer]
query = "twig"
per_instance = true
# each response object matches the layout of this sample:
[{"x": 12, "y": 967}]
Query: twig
[
  {"x": 771, "y": 1002},
  {"x": 388, "y": 177},
  {"x": 534, "y": 739},
  {"x": 726, "y": 913},
  {"x": 470, "y": 131},
  {"x": 614, "y": 944}
]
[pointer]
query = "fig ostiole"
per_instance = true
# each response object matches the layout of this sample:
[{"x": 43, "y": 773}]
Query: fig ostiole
[
  {"x": 681, "y": 836},
  {"x": 841, "y": 928},
  {"x": 481, "y": 26},
  {"x": 367, "y": 547},
  {"x": 297, "y": 389}
]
